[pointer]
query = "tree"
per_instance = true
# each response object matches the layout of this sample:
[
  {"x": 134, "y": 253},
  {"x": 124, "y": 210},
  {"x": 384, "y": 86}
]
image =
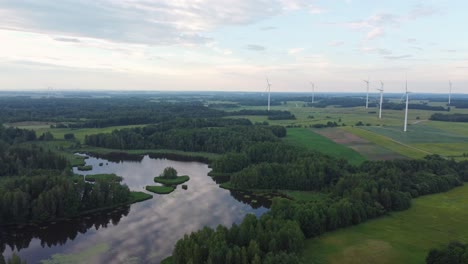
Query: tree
[
  {"x": 169, "y": 173},
  {"x": 69, "y": 136}
]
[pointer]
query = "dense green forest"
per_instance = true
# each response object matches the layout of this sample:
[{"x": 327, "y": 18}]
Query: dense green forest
[
  {"x": 349, "y": 195},
  {"x": 216, "y": 136},
  {"x": 37, "y": 184},
  {"x": 99, "y": 112},
  {"x": 449, "y": 117},
  {"x": 453, "y": 253}
]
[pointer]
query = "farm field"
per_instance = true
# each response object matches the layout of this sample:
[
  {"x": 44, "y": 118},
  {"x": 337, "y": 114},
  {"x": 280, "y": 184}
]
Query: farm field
[
  {"x": 305, "y": 137},
  {"x": 401, "y": 237},
  {"x": 365, "y": 147}
]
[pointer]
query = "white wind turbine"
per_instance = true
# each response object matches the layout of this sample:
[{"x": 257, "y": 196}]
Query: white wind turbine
[
  {"x": 269, "y": 89},
  {"x": 367, "y": 97},
  {"x": 406, "y": 111},
  {"x": 381, "y": 98},
  {"x": 313, "y": 91},
  {"x": 450, "y": 92}
]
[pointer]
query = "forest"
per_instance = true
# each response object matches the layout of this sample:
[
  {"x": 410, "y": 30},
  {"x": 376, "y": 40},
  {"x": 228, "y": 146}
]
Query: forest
[
  {"x": 449, "y": 117},
  {"x": 215, "y": 135},
  {"x": 350, "y": 195},
  {"x": 99, "y": 112},
  {"x": 36, "y": 184},
  {"x": 453, "y": 253}
]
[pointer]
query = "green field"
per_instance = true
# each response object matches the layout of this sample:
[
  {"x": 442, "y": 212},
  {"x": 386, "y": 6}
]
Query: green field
[
  {"x": 304, "y": 137},
  {"x": 79, "y": 133},
  {"x": 386, "y": 142},
  {"x": 419, "y": 133},
  {"x": 401, "y": 237}
]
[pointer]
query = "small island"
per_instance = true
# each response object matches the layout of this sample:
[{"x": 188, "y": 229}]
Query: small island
[
  {"x": 110, "y": 177},
  {"x": 169, "y": 179},
  {"x": 85, "y": 168}
]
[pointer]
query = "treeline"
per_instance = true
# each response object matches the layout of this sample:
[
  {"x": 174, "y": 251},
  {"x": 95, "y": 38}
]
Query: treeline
[
  {"x": 401, "y": 106},
  {"x": 449, "y": 117},
  {"x": 272, "y": 114},
  {"x": 349, "y": 195},
  {"x": 49, "y": 196},
  {"x": 216, "y": 138},
  {"x": 342, "y": 102},
  {"x": 454, "y": 253},
  {"x": 21, "y": 159},
  {"x": 459, "y": 103},
  {"x": 99, "y": 112},
  {"x": 266, "y": 240},
  {"x": 37, "y": 186}
]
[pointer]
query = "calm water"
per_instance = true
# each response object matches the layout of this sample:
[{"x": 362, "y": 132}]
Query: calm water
[{"x": 141, "y": 233}]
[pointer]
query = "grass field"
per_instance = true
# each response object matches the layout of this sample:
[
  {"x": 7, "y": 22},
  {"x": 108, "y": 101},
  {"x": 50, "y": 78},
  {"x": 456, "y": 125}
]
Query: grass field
[
  {"x": 386, "y": 142},
  {"x": 79, "y": 133},
  {"x": 304, "y": 137},
  {"x": 401, "y": 237}
]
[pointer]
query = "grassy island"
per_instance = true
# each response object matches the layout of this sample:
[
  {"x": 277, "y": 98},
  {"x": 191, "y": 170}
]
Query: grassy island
[
  {"x": 160, "y": 189},
  {"x": 178, "y": 180},
  {"x": 85, "y": 168},
  {"x": 110, "y": 177}
]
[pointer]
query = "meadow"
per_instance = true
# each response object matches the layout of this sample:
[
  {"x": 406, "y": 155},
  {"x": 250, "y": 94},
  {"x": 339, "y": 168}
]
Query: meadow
[
  {"x": 401, "y": 237},
  {"x": 305, "y": 137}
]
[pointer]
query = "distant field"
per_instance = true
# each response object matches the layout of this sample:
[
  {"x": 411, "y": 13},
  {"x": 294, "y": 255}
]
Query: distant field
[
  {"x": 402, "y": 237},
  {"x": 80, "y": 133},
  {"x": 386, "y": 142},
  {"x": 365, "y": 147},
  {"x": 419, "y": 133},
  {"x": 305, "y": 137}
]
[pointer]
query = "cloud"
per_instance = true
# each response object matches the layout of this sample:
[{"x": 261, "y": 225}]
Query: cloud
[
  {"x": 400, "y": 57},
  {"x": 268, "y": 28},
  {"x": 160, "y": 22},
  {"x": 375, "y": 33},
  {"x": 336, "y": 43},
  {"x": 379, "y": 51},
  {"x": 377, "y": 24},
  {"x": 255, "y": 47},
  {"x": 317, "y": 10},
  {"x": 74, "y": 40},
  {"x": 295, "y": 51}
]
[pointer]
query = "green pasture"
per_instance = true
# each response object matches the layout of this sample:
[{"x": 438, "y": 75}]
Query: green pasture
[
  {"x": 401, "y": 237},
  {"x": 304, "y": 137},
  {"x": 419, "y": 133},
  {"x": 79, "y": 133}
]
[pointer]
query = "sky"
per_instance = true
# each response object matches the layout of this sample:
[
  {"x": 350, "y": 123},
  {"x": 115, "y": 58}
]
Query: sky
[{"x": 234, "y": 45}]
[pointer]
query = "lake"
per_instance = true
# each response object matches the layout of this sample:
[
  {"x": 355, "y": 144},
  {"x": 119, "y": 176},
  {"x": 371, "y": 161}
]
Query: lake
[{"x": 145, "y": 232}]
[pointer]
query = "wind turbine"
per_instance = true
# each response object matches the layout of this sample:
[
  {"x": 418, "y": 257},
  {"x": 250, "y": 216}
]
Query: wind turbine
[
  {"x": 269, "y": 89},
  {"x": 313, "y": 91},
  {"x": 406, "y": 112},
  {"x": 381, "y": 99},
  {"x": 450, "y": 92},
  {"x": 367, "y": 98}
]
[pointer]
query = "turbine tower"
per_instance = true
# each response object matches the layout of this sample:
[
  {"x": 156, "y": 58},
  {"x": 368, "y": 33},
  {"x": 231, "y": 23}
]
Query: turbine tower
[
  {"x": 313, "y": 91},
  {"x": 381, "y": 99},
  {"x": 450, "y": 92},
  {"x": 367, "y": 97},
  {"x": 269, "y": 89},
  {"x": 406, "y": 112}
]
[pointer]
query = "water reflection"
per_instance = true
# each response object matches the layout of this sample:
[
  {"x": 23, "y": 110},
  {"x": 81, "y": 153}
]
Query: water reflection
[{"x": 149, "y": 230}]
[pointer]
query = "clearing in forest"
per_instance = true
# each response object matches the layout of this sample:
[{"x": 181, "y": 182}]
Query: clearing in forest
[{"x": 365, "y": 147}]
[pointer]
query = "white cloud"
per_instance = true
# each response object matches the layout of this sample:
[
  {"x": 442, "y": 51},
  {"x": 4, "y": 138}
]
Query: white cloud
[
  {"x": 295, "y": 51},
  {"x": 161, "y": 22},
  {"x": 336, "y": 43}
]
